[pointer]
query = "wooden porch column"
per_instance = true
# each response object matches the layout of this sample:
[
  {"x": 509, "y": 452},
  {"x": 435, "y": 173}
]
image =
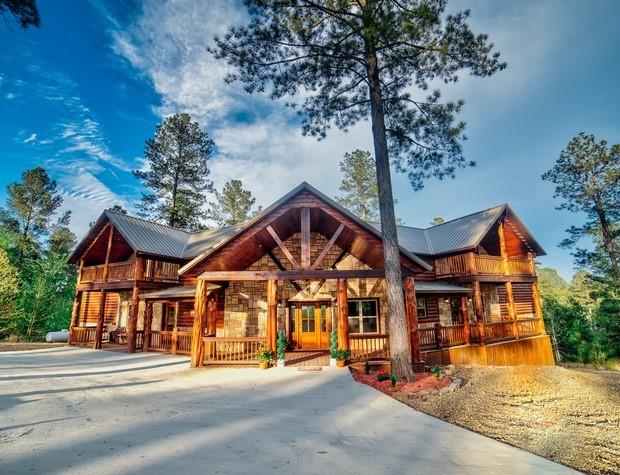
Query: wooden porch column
[
  {"x": 479, "y": 311},
  {"x": 464, "y": 308},
  {"x": 200, "y": 313},
  {"x": 411, "y": 309},
  {"x": 212, "y": 316},
  {"x": 148, "y": 324},
  {"x": 512, "y": 309},
  {"x": 272, "y": 314},
  {"x": 132, "y": 321},
  {"x": 540, "y": 324},
  {"x": 75, "y": 313},
  {"x": 343, "y": 314},
  {"x": 100, "y": 317}
]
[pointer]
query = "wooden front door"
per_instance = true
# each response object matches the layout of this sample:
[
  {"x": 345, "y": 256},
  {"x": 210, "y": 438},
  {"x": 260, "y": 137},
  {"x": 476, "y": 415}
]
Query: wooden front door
[{"x": 310, "y": 325}]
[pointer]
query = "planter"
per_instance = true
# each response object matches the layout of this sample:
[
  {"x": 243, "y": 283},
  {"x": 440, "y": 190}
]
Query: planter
[
  {"x": 332, "y": 361},
  {"x": 281, "y": 363},
  {"x": 340, "y": 363},
  {"x": 263, "y": 364}
]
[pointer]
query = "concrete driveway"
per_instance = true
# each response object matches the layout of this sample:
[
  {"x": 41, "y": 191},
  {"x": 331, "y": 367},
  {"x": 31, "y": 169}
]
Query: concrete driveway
[{"x": 79, "y": 411}]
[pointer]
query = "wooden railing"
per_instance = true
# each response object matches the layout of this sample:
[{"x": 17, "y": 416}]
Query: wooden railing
[
  {"x": 470, "y": 263},
  {"x": 184, "y": 343},
  {"x": 154, "y": 270},
  {"x": 82, "y": 335},
  {"x": 529, "y": 327},
  {"x": 365, "y": 347},
  {"x": 230, "y": 350},
  {"x": 453, "y": 335},
  {"x": 498, "y": 331},
  {"x": 161, "y": 341}
]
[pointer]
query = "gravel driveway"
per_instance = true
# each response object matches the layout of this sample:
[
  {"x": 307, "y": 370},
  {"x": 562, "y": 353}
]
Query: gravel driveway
[{"x": 79, "y": 411}]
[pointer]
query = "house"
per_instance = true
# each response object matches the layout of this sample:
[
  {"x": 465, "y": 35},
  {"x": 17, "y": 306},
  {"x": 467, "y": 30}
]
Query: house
[{"x": 306, "y": 265}]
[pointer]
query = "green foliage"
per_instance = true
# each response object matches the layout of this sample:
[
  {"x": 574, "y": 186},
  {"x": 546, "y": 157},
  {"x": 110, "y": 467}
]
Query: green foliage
[
  {"x": 359, "y": 185},
  {"x": 587, "y": 180},
  {"x": 233, "y": 205},
  {"x": 393, "y": 381},
  {"x": 437, "y": 220},
  {"x": 282, "y": 345},
  {"x": 177, "y": 175},
  {"x": 341, "y": 355},
  {"x": 333, "y": 343},
  {"x": 25, "y": 12},
  {"x": 265, "y": 355},
  {"x": 383, "y": 377},
  {"x": 9, "y": 295},
  {"x": 437, "y": 371}
]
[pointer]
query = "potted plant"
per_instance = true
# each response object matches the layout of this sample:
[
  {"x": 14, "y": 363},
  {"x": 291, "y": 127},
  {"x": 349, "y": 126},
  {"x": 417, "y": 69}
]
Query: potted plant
[
  {"x": 333, "y": 347},
  {"x": 282, "y": 346},
  {"x": 341, "y": 357},
  {"x": 264, "y": 357}
]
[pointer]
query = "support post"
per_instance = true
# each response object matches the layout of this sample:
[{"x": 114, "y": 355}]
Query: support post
[
  {"x": 540, "y": 323},
  {"x": 272, "y": 314},
  {"x": 148, "y": 324},
  {"x": 305, "y": 238},
  {"x": 438, "y": 341},
  {"x": 132, "y": 321},
  {"x": 343, "y": 314},
  {"x": 106, "y": 265},
  {"x": 200, "y": 312},
  {"x": 411, "y": 309},
  {"x": 175, "y": 340},
  {"x": 75, "y": 314},
  {"x": 212, "y": 316},
  {"x": 464, "y": 308},
  {"x": 479, "y": 311},
  {"x": 100, "y": 316},
  {"x": 512, "y": 310}
]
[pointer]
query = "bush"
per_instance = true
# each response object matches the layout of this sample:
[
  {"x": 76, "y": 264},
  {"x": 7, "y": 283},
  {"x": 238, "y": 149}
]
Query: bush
[
  {"x": 367, "y": 367},
  {"x": 383, "y": 377},
  {"x": 437, "y": 371},
  {"x": 341, "y": 354}
]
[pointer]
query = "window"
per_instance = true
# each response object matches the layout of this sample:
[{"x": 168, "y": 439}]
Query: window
[
  {"x": 363, "y": 316},
  {"x": 421, "y": 301},
  {"x": 169, "y": 316},
  {"x": 455, "y": 311}
]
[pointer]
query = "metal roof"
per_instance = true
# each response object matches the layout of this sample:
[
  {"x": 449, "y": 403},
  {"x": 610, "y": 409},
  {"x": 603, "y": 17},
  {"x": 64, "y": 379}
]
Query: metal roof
[
  {"x": 175, "y": 292},
  {"x": 439, "y": 287}
]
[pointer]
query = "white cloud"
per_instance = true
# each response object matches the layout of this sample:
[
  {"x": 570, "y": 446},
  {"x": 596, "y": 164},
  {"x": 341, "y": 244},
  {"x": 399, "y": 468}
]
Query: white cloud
[{"x": 31, "y": 138}]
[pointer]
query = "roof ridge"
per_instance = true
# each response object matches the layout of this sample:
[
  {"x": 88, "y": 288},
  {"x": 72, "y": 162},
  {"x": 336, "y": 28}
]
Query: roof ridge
[{"x": 464, "y": 216}]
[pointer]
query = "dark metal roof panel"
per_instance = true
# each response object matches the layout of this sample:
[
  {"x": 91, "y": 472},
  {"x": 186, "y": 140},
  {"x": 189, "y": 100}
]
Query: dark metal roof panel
[{"x": 440, "y": 287}]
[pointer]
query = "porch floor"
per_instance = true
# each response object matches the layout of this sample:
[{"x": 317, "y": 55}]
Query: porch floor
[{"x": 307, "y": 358}]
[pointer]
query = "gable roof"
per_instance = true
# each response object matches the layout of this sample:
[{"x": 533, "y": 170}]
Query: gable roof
[
  {"x": 148, "y": 237},
  {"x": 304, "y": 186},
  {"x": 461, "y": 233}
]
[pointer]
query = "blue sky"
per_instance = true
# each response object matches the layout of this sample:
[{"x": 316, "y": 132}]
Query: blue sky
[{"x": 81, "y": 94}]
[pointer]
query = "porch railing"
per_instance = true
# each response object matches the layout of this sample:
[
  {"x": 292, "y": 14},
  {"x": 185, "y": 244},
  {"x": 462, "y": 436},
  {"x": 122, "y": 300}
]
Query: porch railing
[
  {"x": 81, "y": 335},
  {"x": 154, "y": 270},
  {"x": 365, "y": 347},
  {"x": 470, "y": 263},
  {"x": 229, "y": 350},
  {"x": 497, "y": 331},
  {"x": 161, "y": 341}
]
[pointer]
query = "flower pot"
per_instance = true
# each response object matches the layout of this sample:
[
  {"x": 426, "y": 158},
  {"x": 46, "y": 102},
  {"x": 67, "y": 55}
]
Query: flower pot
[
  {"x": 263, "y": 364},
  {"x": 340, "y": 363},
  {"x": 281, "y": 363},
  {"x": 332, "y": 361}
]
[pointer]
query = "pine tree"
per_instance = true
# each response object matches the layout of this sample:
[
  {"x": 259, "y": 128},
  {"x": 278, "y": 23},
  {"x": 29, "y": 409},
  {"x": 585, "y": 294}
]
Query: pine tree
[
  {"x": 357, "y": 60},
  {"x": 437, "y": 220},
  {"x": 9, "y": 294},
  {"x": 359, "y": 185},
  {"x": 177, "y": 175},
  {"x": 233, "y": 205}
]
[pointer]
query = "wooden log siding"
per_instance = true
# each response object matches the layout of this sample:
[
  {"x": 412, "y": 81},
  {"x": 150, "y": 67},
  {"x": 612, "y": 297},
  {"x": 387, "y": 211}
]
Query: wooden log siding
[
  {"x": 185, "y": 314},
  {"x": 89, "y": 308},
  {"x": 524, "y": 300}
]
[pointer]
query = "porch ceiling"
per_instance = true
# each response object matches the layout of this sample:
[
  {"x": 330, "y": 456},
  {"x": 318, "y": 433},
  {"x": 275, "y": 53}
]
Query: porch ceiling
[{"x": 179, "y": 292}]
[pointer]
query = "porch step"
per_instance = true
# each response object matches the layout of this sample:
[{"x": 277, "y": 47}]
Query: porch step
[{"x": 309, "y": 368}]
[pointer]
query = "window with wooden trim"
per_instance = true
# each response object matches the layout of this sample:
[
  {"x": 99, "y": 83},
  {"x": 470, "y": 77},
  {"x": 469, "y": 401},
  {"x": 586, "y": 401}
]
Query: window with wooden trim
[
  {"x": 421, "y": 303},
  {"x": 363, "y": 316}
]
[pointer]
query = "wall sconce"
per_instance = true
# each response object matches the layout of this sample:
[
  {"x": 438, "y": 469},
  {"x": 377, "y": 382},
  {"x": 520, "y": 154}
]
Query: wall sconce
[{"x": 446, "y": 300}]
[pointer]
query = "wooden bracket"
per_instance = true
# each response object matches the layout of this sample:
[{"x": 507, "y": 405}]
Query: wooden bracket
[
  {"x": 284, "y": 249},
  {"x": 327, "y": 247}
]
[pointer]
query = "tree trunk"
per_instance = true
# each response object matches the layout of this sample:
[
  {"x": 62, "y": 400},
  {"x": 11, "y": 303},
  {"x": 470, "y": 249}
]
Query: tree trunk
[{"x": 400, "y": 348}]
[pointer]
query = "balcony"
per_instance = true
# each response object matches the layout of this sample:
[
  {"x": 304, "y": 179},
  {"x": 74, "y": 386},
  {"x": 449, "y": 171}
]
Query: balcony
[
  {"x": 476, "y": 264},
  {"x": 153, "y": 270}
]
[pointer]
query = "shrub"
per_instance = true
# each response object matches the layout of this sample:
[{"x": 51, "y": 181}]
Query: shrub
[
  {"x": 282, "y": 345},
  {"x": 383, "y": 377},
  {"x": 341, "y": 354},
  {"x": 333, "y": 343},
  {"x": 367, "y": 367},
  {"x": 393, "y": 381},
  {"x": 265, "y": 355},
  {"x": 436, "y": 370}
]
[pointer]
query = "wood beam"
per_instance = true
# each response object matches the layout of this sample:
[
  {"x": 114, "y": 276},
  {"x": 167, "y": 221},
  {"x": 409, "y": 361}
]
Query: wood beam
[
  {"x": 280, "y": 266},
  {"x": 200, "y": 312},
  {"x": 148, "y": 325},
  {"x": 272, "y": 314},
  {"x": 100, "y": 316},
  {"x": 284, "y": 249},
  {"x": 464, "y": 309},
  {"x": 75, "y": 314},
  {"x": 305, "y": 238},
  {"x": 106, "y": 265},
  {"x": 329, "y": 245},
  {"x": 479, "y": 311},
  {"x": 512, "y": 309},
  {"x": 216, "y": 276},
  {"x": 343, "y": 314},
  {"x": 411, "y": 310},
  {"x": 132, "y": 321},
  {"x": 212, "y": 316},
  {"x": 538, "y": 308},
  {"x": 103, "y": 230}
]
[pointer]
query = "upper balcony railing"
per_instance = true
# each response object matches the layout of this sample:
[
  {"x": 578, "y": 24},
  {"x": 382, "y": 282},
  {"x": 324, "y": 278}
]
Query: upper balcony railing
[
  {"x": 472, "y": 264},
  {"x": 152, "y": 269}
]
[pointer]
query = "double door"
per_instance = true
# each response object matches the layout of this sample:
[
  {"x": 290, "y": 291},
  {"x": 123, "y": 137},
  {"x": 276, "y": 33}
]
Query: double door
[{"x": 310, "y": 325}]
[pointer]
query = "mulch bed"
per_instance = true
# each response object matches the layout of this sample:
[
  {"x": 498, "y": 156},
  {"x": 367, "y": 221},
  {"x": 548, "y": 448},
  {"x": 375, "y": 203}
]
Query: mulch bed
[
  {"x": 423, "y": 382},
  {"x": 26, "y": 346}
]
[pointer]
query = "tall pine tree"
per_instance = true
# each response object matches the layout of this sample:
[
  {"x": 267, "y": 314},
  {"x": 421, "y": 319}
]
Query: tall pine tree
[
  {"x": 359, "y": 185},
  {"x": 177, "y": 177},
  {"x": 357, "y": 60},
  {"x": 233, "y": 205}
]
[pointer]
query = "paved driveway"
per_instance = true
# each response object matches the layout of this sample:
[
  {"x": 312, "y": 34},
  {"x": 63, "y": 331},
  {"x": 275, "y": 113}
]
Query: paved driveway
[{"x": 79, "y": 411}]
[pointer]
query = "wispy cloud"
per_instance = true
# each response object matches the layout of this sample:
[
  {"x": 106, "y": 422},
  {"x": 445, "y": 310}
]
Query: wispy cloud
[{"x": 31, "y": 138}]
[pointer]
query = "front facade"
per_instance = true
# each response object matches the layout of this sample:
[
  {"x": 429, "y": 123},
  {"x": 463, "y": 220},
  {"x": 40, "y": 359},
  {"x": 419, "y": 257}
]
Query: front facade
[{"x": 306, "y": 266}]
